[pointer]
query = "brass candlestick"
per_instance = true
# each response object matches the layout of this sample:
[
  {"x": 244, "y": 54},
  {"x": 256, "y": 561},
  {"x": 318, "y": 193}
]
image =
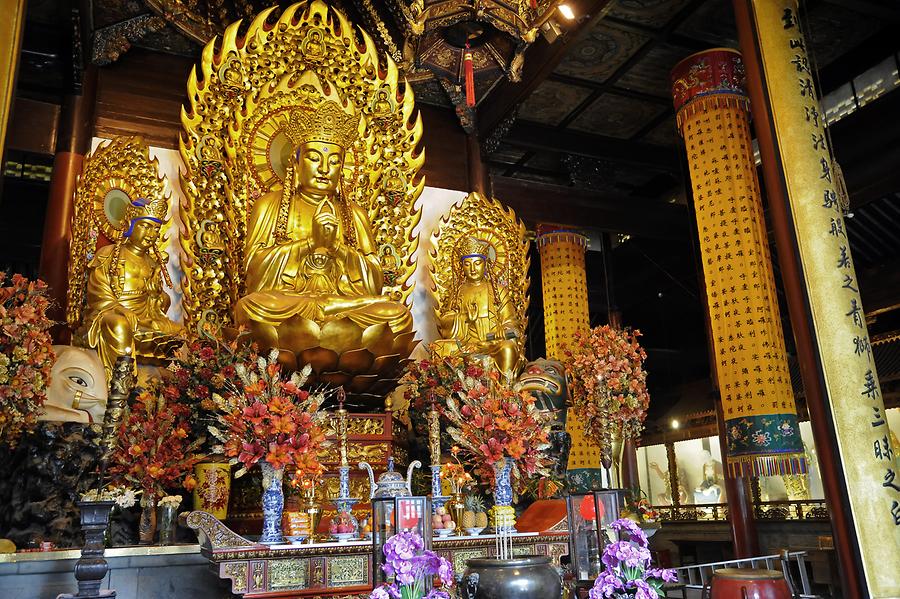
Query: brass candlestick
[
  {"x": 434, "y": 434},
  {"x": 342, "y": 428}
]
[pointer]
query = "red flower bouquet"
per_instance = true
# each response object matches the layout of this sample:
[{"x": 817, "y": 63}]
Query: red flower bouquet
[
  {"x": 267, "y": 418},
  {"x": 608, "y": 383},
  {"x": 491, "y": 422},
  {"x": 201, "y": 368},
  {"x": 26, "y": 356},
  {"x": 438, "y": 377},
  {"x": 154, "y": 451}
]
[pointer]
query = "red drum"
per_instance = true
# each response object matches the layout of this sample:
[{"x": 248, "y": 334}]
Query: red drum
[{"x": 736, "y": 583}]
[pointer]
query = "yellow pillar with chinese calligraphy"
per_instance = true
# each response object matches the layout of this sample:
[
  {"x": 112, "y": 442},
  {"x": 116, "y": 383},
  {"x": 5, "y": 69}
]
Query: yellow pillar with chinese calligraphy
[
  {"x": 564, "y": 283},
  {"x": 10, "y": 44},
  {"x": 846, "y": 406},
  {"x": 751, "y": 366}
]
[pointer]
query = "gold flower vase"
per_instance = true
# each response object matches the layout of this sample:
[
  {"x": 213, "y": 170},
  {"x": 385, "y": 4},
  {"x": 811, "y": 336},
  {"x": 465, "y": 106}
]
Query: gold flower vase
[{"x": 213, "y": 488}]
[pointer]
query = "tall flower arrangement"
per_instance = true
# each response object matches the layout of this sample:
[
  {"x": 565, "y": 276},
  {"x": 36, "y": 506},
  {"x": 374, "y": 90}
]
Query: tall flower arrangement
[
  {"x": 154, "y": 451},
  {"x": 432, "y": 381},
  {"x": 491, "y": 424},
  {"x": 411, "y": 566},
  {"x": 269, "y": 418},
  {"x": 26, "y": 355},
  {"x": 608, "y": 382},
  {"x": 626, "y": 567}
]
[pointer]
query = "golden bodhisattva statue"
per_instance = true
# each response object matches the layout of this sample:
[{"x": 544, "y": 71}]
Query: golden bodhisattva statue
[
  {"x": 306, "y": 174},
  {"x": 126, "y": 305},
  {"x": 479, "y": 315},
  {"x": 310, "y": 256},
  {"x": 480, "y": 275}
]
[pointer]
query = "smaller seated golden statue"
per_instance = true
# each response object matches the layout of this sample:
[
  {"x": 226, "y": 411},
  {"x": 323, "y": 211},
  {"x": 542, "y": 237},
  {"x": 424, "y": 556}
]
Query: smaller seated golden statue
[
  {"x": 479, "y": 315},
  {"x": 126, "y": 306},
  {"x": 480, "y": 274}
]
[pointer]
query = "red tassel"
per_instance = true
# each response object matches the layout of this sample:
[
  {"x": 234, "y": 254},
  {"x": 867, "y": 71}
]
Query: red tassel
[
  {"x": 533, "y": 4},
  {"x": 470, "y": 77}
]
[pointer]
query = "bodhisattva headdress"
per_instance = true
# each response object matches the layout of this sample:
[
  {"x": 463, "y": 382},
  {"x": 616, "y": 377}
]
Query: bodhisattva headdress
[
  {"x": 143, "y": 209},
  {"x": 326, "y": 123},
  {"x": 472, "y": 246}
]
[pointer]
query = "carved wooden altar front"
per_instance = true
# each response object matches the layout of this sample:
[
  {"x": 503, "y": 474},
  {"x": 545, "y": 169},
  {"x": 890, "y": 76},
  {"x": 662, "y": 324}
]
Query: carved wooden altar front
[{"x": 335, "y": 570}]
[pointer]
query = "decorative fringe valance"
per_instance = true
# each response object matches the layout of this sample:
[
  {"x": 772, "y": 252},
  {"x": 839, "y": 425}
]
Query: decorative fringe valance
[{"x": 711, "y": 101}]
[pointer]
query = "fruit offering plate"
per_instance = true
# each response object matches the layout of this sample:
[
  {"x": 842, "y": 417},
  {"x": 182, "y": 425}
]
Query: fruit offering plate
[
  {"x": 343, "y": 537},
  {"x": 444, "y": 532},
  {"x": 474, "y": 532}
]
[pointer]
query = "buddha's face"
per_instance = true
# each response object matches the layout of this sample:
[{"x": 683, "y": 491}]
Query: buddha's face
[
  {"x": 145, "y": 234},
  {"x": 319, "y": 168},
  {"x": 473, "y": 268}
]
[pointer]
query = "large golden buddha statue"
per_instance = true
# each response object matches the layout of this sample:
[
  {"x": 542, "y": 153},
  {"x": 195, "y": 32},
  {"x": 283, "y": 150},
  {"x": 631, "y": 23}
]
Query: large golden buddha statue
[
  {"x": 310, "y": 255},
  {"x": 304, "y": 170},
  {"x": 126, "y": 305},
  {"x": 480, "y": 273}
]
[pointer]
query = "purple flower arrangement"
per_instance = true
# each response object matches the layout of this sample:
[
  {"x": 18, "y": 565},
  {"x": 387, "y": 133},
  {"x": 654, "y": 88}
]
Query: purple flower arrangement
[
  {"x": 627, "y": 571},
  {"x": 411, "y": 565}
]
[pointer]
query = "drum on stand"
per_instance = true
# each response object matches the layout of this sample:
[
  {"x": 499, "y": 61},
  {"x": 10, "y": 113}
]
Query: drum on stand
[{"x": 747, "y": 583}]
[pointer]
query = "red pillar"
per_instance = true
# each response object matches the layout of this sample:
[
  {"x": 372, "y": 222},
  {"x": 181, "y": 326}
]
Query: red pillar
[
  {"x": 740, "y": 508},
  {"x": 75, "y": 130},
  {"x": 477, "y": 170}
]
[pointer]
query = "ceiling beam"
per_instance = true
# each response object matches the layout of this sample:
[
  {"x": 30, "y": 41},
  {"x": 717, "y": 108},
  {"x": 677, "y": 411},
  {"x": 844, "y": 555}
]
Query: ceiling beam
[
  {"x": 858, "y": 60},
  {"x": 607, "y": 211},
  {"x": 540, "y": 60},
  {"x": 610, "y": 88},
  {"x": 534, "y": 136},
  {"x": 880, "y": 288}
]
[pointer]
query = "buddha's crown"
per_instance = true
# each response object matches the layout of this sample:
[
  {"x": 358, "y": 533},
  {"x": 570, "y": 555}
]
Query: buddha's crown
[
  {"x": 143, "y": 208},
  {"x": 472, "y": 246},
  {"x": 328, "y": 122}
]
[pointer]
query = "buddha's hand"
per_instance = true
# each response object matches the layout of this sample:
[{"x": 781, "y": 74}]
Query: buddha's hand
[
  {"x": 472, "y": 311},
  {"x": 325, "y": 229}
]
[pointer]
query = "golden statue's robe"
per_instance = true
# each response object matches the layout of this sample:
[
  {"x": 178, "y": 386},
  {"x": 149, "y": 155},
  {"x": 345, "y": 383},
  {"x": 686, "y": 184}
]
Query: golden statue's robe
[
  {"x": 131, "y": 319},
  {"x": 275, "y": 279}
]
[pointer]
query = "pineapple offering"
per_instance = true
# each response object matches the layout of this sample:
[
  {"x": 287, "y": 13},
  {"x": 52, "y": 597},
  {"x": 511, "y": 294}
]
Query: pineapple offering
[{"x": 474, "y": 518}]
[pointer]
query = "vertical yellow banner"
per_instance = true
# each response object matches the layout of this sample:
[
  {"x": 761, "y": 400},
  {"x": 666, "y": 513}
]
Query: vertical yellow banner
[
  {"x": 712, "y": 107},
  {"x": 11, "y": 28},
  {"x": 847, "y": 367}
]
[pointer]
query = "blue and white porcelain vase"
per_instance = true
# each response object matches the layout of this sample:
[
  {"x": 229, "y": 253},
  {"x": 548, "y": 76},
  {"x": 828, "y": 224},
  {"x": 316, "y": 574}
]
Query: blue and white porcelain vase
[
  {"x": 502, "y": 486},
  {"x": 273, "y": 504}
]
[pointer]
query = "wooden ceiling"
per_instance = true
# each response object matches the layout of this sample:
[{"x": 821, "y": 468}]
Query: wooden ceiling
[{"x": 608, "y": 98}]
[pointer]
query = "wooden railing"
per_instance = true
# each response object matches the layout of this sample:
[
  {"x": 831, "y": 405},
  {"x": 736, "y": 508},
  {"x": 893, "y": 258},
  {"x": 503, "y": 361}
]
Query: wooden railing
[{"x": 766, "y": 510}]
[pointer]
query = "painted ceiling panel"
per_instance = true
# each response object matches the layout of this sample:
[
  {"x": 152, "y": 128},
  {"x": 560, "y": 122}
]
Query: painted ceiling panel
[
  {"x": 601, "y": 52},
  {"x": 551, "y": 102},
  {"x": 616, "y": 116}
]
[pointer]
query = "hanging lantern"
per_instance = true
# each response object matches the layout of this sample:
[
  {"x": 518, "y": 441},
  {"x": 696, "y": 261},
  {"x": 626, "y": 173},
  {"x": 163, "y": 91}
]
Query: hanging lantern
[{"x": 469, "y": 71}]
